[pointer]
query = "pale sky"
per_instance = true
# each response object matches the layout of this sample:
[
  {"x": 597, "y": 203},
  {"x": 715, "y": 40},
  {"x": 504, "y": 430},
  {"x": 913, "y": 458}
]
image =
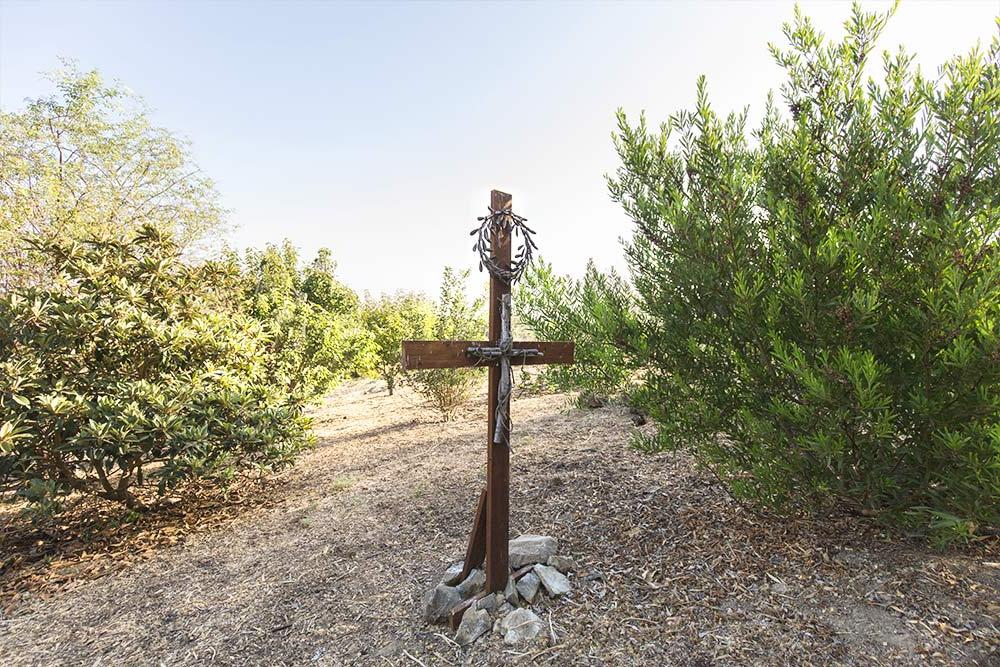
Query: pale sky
[{"x": 378, "y": 129}]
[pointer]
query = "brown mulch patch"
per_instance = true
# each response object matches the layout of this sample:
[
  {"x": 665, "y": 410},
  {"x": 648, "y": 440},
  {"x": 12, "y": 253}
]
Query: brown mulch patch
[
  {"x": 329, "y": 569},
  {"x": 92, "y": 538}
]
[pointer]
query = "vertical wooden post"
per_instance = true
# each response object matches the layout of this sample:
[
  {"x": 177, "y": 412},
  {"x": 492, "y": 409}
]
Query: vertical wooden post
[{"x": 498, "y": 455}]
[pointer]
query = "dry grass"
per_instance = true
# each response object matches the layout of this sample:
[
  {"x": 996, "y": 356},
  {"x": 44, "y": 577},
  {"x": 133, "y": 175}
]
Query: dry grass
[{"x": 325, "y": 565}]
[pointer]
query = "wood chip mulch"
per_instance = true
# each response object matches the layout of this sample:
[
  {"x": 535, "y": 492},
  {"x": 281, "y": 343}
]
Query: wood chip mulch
[
  {"x": 92, "y": 538},
  {"x": 324, "y": 564}
]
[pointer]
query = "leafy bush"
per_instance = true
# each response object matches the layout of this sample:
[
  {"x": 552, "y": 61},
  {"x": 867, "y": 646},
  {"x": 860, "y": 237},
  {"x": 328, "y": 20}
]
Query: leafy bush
[
  {"x": 600, "y": 314},
  {"x": 388, "y": 322},
  {"x": 310, "y": 319},
  {"x": 455, "y": 318},
  {"x": 131, "y": 370},
  {"x": 321, "y": 288},
  {"x": 823, "y": 300}
]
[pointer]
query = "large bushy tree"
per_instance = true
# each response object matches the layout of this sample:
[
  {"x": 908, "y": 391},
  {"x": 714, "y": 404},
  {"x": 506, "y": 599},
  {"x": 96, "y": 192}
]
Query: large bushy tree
[
  {"x": 124, "y": 359},
  {"x": 87, "y": 161},
  {"x": 131, "y": 368},
  {"x": 823, "y": 295}
]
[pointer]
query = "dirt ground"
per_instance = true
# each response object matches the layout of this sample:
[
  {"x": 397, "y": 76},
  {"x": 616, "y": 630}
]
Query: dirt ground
[{"x": 329, "y": 571}]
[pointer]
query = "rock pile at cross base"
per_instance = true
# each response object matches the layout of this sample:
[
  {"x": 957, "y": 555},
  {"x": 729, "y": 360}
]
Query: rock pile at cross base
[{"x": 511, "y": 614}]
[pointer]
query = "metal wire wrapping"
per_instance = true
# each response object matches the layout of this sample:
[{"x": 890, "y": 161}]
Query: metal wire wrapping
[{"x": 503, "y": 222}]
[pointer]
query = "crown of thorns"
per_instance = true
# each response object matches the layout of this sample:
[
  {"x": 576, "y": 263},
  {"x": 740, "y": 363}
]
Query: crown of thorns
[{"x": 501, "y": 222}]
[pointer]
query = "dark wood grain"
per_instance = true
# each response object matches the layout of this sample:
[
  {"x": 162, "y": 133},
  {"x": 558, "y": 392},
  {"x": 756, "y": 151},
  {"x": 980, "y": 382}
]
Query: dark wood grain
[{"x": 498, "y": 455}]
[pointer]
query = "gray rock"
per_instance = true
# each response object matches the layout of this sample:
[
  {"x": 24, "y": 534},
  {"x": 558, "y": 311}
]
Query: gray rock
[
  {"x": 475, "y": 623},
  {"x": 554, "y": 581},
  {"x": 453, "y": 574},
  {"x": 489, "y": 602},
  {"x": 505, "y": 609},
  {"x": 438, "y": 602},
  {"x": 562, "y": 563},
  {"x": 530, "y": 549},
  {"x": 475, "y": 581},
  {"x": 520, "y": 625},
  {"x": 510, "y": 592},
  {"x": 528, "y": 585}
]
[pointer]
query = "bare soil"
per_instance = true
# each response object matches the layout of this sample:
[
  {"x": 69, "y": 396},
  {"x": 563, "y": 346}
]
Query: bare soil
[{"x": 325, "y": 563}]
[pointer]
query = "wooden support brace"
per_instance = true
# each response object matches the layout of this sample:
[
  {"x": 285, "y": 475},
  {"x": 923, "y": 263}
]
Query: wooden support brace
[{"x": 475, "y": 552}]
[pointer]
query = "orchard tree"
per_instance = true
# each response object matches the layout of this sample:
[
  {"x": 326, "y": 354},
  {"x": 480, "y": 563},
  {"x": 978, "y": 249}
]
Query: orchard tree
[
  {"x": 311, "y": 318},
  {"x": 389, "y": 321},
  {"x": 456, "y": 317},
  {"x": 322, "y": 289},
  {"x": 87, "y": 161},
  {"x": 600, "y": 314}
]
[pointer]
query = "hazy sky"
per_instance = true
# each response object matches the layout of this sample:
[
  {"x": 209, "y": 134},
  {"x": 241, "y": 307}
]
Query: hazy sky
[{"x": 378, "y": 129}]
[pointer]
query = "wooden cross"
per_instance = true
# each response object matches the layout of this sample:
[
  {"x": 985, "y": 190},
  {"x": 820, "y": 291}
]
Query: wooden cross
[{"x": 490, "y": 531}]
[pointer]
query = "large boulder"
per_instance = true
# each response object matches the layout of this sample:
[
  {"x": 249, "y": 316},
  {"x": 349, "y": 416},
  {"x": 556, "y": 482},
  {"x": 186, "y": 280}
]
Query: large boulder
[
  {"x": 531, "y": 549},
  {"x": 438, "y": 602}
]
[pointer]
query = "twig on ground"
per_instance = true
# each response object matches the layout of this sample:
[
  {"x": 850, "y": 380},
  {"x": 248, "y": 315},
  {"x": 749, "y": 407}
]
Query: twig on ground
[{"x": 407, "y": 654}]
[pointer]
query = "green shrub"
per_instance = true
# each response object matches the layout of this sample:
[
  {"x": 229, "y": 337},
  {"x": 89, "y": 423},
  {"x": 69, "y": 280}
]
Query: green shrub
[
  {"x": 600, "y": 314},
  {"x": 455, "y": 318},
  {"x": 322, "y": 289},
  {"x": 131, "y": 370},
  {"x": 309, "y": 318},
  {"x": 388, "y": 322},
  {"x": 823, "y": 298}
]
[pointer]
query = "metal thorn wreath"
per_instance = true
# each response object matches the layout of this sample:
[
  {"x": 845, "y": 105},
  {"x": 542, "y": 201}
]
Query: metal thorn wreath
[{"x": 503, "y": 221}]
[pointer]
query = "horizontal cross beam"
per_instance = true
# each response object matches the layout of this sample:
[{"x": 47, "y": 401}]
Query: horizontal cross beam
[{"x": 424, "y": 354}]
